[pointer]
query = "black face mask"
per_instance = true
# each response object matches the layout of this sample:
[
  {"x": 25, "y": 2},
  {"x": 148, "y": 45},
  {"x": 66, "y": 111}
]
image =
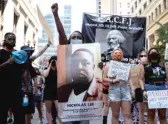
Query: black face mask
[{"x": 154, "y": 57}]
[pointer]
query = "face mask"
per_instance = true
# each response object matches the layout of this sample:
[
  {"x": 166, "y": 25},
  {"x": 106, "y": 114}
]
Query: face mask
[
  {"x": 144, "y": 59},
  {"x": 117, "y": 56},
  {"x": 76, "y": 41},
  {"x": 154, "y": 57}
]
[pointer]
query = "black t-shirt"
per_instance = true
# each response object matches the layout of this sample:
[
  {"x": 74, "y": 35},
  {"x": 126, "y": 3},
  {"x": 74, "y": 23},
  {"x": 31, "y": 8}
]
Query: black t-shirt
[
  {"x": 155, "y": 73},
  {"x": 11, "y": 74},
  {"x": 51, "y": 80}
]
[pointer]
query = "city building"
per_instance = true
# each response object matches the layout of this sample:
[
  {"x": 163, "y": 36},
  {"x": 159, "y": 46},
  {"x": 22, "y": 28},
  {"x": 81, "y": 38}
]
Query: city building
[
  {"x": 115, "y": 7},
  {"x": 19, "y": 17},
  {"x": 156, "y": 12}
]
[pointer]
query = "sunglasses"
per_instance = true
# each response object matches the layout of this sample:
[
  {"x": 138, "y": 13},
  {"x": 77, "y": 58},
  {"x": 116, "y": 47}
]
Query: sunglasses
[
  {"x": 142, "y": 56},
  {"x": 76, "y": 37}
]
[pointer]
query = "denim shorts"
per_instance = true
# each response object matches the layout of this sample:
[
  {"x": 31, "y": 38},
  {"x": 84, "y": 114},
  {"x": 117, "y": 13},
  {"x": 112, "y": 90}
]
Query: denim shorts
[
  {"x": 150, "y": 87},
  {"x": 119, "y": 93}
]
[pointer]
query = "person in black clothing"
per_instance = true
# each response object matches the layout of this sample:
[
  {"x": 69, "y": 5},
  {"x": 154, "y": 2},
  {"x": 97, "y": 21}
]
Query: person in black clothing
[
  {"x": 50, "y": 89},
  {"x": 10, "y": 75},
  {"x": 30, "y": 74}
]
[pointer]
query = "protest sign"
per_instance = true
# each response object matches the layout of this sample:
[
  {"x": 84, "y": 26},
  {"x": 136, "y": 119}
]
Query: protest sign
[
  {"x": 45, "y": 25},
  {"x": 78, "y": 71},
  {"x": 157, "y": 99},
  {"x": 114, "y": 31},
  {"x": 120, "y": 70}
]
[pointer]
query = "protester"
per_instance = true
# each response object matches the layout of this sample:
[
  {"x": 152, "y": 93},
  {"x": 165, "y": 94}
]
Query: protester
[
  {"x": 155, "y": 77},
  {"x": 136, "y": 86},
  {"x": 39, "y": 96},
  {"x": 11, "y": 75},
  {"x": 30, "y": 74},
  {"x": 50, "y": 89},
  {"x": 75, "y": 38},
  {"x": 119, "y": 92}
]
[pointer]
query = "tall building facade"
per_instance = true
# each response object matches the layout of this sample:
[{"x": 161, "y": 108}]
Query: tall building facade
[
  {"x": 156, "y": 12},
  {"x": 67, "y": 20},
  {"x": 115, "y": 7},
  {"x": 19, "y": 17},
  {"x": 52, "y": 50}
]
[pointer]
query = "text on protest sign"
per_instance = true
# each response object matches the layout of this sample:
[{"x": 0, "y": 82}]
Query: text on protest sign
[
  {"x": 120, "y": 70},
  {"x": 157, "y": 99},
  {"x": 78, "y": 111}
]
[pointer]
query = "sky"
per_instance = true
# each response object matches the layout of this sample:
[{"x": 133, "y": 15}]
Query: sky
[{"x": 78, "y": 7}]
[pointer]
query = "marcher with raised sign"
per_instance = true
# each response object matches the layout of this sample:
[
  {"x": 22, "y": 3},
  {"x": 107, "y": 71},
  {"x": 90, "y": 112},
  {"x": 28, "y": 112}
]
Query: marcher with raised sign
[
  {"x": 155, "y": 77},
  {"x": 119, "y": 91}
]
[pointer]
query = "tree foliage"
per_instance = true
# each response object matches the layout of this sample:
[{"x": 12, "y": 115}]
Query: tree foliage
[{"x": 162, "y": 33}]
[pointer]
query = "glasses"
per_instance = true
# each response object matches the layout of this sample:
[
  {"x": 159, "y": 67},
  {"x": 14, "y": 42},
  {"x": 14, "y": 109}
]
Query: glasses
[
  {"x": 76, "y": 37},
  {"x": 142, "y": 56}
]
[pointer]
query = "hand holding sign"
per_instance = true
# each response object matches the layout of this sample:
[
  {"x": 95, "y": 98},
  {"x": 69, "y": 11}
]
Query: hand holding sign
[{"x": 120, "y": 70}]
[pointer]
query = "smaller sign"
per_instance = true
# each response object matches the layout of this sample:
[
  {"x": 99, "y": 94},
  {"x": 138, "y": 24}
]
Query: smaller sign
[
  {"x": 166, "y": 52},
  {"x": 157, "y": 99},
  {"x": 120, "y": 70}
]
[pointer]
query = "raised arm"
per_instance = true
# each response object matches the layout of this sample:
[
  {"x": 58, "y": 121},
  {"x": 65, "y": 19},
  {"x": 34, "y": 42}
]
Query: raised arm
[
  {"x": 45, "y": 73},
  {"x": 41, "y": 51},
  {"x": 62, "y": 35}
]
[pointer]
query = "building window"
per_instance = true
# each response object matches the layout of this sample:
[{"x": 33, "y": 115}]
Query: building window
[
  {"x": 160, "y": 10},
  {"x": 25, "y": 30},
  {"x": 156, "y": 12},
  {"x": 149, "y": 18},
  {"x": 145, "y": 5},
  {"x": 128, "y": 4},
  {"x": 165, "y": 3},
  {"x": 135, "y": 4},
  {"x": 2, "y": 6},
  {"x": 120, "y": 5},
  {"x": 140, "y": 12},
  {"x": 128, "y": 13},
  {"x": 99, "y": 7},
  {"x": 99, "y": 11},
  {"x": 139, "y": 1},
  {"x": 152, "y": 16},
  {"x": 132, "y": 9},
  {"x": 16, "y": 17},
  {"x": 150, "y": 1}
]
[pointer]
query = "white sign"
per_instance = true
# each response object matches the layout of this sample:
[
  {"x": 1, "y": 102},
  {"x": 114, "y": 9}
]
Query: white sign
[
  {"x": 120, "y": 70},
  {"x": 78, "y": 111},
  {"x": 166, "y": 52},
  {"x": 157, "y": 99}
]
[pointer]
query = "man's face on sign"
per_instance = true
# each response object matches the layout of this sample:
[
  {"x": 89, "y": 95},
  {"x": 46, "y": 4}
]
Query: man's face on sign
[
  {"x": 82, "y": 67},
  {"x": 115, "y": 39}
]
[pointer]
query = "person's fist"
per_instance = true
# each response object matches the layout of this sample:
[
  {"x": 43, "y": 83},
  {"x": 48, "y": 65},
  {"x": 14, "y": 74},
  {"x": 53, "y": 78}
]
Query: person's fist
[{"x": 54, "y": 8}]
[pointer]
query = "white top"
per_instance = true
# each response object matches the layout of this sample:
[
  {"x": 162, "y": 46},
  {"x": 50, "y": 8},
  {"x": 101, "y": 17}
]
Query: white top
[{"x": 76, "y": 98}]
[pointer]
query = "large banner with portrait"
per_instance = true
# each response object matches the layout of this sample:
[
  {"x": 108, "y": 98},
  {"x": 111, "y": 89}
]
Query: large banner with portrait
[
  {"x": 78, "y": 88},
  {"x": 127, "y": 33}
]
